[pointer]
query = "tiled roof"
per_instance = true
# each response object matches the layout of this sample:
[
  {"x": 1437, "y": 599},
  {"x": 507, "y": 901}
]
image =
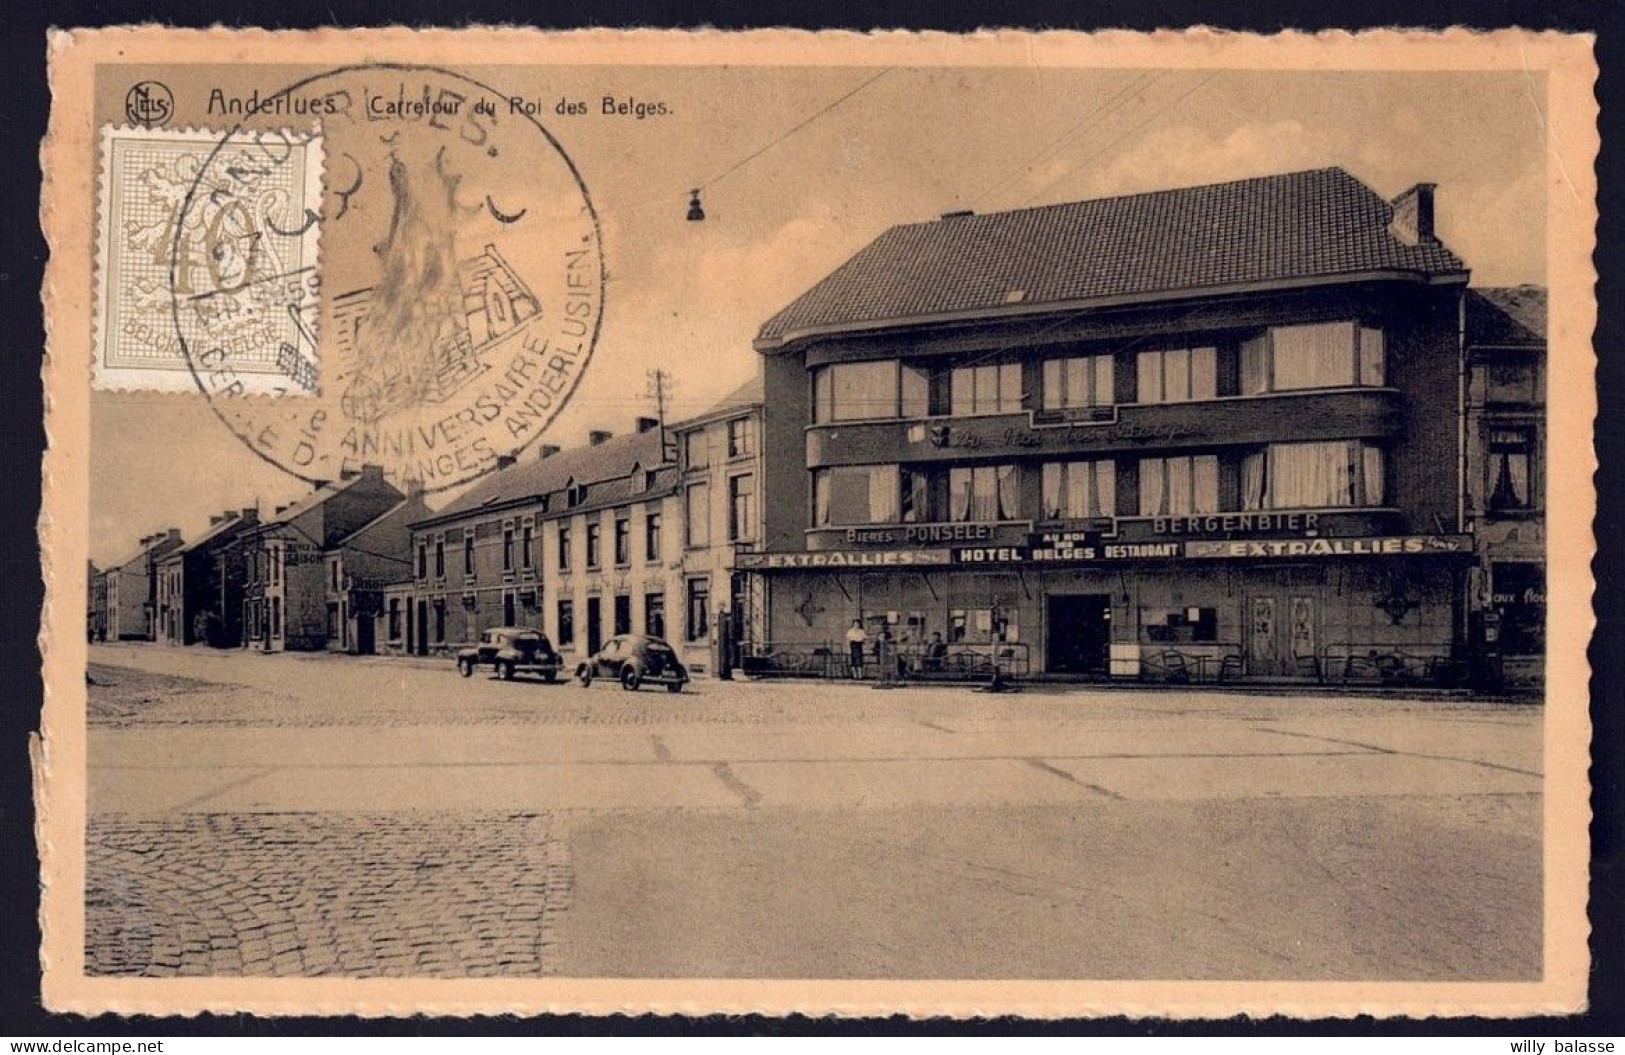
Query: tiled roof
[
  {"x": 1506, "y": 315},
  {"x": 310, "y": 501},
  {"x": 1301, "y": 225},
  {"x": 410, "y": 508},
  {"x": 533, "y": 477},
  {"x": 234, "y": 522},
  {"x": 749, "y": 394}
]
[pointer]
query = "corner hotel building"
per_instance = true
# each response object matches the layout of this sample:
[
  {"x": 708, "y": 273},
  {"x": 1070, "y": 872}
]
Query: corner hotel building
[{"x": 1220, "y": 424}]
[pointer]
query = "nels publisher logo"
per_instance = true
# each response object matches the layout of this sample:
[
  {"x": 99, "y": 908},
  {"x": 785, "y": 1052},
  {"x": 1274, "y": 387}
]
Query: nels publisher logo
[{"x": 149, "y": 104}]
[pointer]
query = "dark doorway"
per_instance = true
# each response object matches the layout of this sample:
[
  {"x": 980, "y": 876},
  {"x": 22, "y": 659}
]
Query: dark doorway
[
  {"x": 423, "y": 628},
  {"x": 595, "y": 625},
  {"x": 1080, "y": 633},
  {"x": 508, "y": 610},
  {"x": 623, "y": 614},
  {"x": 364, "y": 644}
]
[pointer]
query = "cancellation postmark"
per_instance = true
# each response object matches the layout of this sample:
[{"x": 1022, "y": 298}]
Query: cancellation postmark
[{"x": 458, "y": 295}]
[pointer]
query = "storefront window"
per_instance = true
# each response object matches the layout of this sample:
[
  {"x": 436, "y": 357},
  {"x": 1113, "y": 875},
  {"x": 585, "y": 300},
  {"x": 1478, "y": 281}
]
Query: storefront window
[
  {"x": 1176, "y": 375},
  {"x": 855, "y": 494},
  {"x": 1312, "y": 476},
  {"x": 988, "y": 388},
  {"x": 1509, "y": 451},
  {"x": 1077, "y": 490},
  {"x": 1084, "y": 381},
  {"x": 1168, "y": 625},
  {"x": 1519, "y": 595},
  {"x": 983, "y": 493},
  {"x": 1318, "y": 355},
  {"x": 1180, "y": 485}
]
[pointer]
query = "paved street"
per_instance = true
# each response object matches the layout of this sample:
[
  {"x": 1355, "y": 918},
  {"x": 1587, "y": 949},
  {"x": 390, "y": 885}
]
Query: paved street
[{"x": 312, "y": 814}]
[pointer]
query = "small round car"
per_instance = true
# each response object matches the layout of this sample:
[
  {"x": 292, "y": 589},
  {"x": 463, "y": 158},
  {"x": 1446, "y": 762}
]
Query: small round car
[
  {"x": 509, "y": 651},
  {"x": 635, "y": 660}
]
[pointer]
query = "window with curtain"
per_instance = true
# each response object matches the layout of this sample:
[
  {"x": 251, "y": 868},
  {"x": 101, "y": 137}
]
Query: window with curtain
[
  {"x": 916, "y": 496},
  {"x": 987, "y": 388},
  {"x": 1080, "y": 490},
  {"x": 983, "y": 493},
  {"x": 1317, "y": 355},
  {"x": 1340, "y": 473},
  {"x": 1083, "y": 381},
  {"x": 853, "y": 391},
  {"x": 1179, "y": 485},
  {"x": 1176, "y": 375},
  {"x": 1509, "y": 484},
  {"x": 855, "y": 494}
]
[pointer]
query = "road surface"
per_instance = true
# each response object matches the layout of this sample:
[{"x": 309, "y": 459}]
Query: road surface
[{"x": 369, "y": 816}]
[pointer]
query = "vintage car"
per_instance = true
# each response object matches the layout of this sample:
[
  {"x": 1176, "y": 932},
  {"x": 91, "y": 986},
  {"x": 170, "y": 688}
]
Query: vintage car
[
  {"x": 635, "y": 660},
  {"x": 511, "y": 650}
]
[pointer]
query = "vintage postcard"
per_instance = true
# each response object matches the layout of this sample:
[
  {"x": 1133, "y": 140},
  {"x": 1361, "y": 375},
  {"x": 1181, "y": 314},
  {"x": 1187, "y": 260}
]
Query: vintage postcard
[{"x": 1019, "y": 523}]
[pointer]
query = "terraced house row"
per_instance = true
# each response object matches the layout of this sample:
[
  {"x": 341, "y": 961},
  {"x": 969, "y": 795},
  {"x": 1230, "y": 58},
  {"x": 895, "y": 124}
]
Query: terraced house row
[{"x": 1260, "y": 431}]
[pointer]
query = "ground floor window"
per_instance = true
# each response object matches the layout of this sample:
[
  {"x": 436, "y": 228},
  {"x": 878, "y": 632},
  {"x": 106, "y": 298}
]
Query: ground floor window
[
  {"x": 654, "y": 615},
  {"x": 1518, "y": 593},
  {"x": 699, "y": 609},
  {"x": 567, "y": 623},
  {"x": 623, "y": 614},
  {"x": 440, "y": 622},
  {"x": 394, "y": 618},
  {"x": 1179, "y": 624}
]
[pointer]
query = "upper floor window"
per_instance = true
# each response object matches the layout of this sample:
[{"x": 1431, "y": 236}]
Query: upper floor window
[
  {"x": 697, "y": 500},
  {"x": 564, "y": 548},
  {"x": 1080, "y": 490},
  {"x": 741, "y": 507},
  {"x": 333, "y": 567},
  {"x": 439, "y": 558},
  {"x": 855, "y": 494},
  {"x": 423, "y": 560},
  {"x": 526, "y": 546},
  {"x": 877, "y": 389},
  {"x": 623, "y": 541},
  {"x": 741, "y": 437},
  {"x": 983, "y": 493},
  {"x": 651, "y": 537},
  {"x": 1313, "y": 476},
  {"x": 1179, "y": 485},
  {"x": 1176, "y": 375},
  {"x": 696, "y": 449},
  {"x": 594, "y": 531},
  {"x": 468, "y": 554},
  {"x": 1083, "y": 381},
  {"x": 1317, "y": 355},
  {"x": 507, "y": 549},
  {"x": 1510, "y": 451},
  {"x": 988, "y": 388}
]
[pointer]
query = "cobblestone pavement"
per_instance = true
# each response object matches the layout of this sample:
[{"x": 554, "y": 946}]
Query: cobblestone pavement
[{"x": 300, "y": 894}]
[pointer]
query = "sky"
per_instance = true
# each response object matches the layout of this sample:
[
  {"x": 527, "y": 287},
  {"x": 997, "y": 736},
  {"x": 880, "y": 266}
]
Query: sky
[{"x": 905, "y": 147}]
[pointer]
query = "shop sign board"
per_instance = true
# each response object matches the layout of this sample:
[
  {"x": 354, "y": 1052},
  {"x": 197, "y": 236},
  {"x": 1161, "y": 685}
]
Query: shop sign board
[
  {"x": 1069, "y": 552},
  {"x": 1384, "y": 546},
  {"x": 902, "y": 558}
]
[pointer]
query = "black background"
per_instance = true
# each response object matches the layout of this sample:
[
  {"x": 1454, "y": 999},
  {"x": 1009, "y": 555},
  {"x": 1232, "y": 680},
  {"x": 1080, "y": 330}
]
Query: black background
[{"x": 23, "y": 108}]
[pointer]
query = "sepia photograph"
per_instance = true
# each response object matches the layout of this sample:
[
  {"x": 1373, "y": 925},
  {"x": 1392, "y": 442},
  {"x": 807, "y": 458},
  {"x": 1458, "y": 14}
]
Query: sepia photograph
[{"x": 786, "y": 522}]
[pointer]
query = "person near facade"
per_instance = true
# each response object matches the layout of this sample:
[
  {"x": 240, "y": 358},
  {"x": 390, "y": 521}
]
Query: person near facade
[{"x": 855, "y": 640}]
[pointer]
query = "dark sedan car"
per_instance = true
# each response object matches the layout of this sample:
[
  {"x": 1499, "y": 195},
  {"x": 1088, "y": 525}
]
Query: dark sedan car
[
  {"x": 510, "y": 650},
  {"x": 635, "y": 660}
]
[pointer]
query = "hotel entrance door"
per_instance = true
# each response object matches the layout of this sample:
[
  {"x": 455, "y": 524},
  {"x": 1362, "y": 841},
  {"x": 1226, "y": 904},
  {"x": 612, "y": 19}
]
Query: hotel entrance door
[
  {"x": 1281, "y": 636},
  {"x": 1080, "y": 633}
]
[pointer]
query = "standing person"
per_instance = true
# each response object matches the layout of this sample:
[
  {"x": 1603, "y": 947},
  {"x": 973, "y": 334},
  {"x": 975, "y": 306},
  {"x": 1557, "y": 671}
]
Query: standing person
[{"x": 855, "y": 640}]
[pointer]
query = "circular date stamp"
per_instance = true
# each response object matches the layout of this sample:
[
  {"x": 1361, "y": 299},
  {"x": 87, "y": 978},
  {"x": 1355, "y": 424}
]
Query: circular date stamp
[{"x": 455, "y": 299}]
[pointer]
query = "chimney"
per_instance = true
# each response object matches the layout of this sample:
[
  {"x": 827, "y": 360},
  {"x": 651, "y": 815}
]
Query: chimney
[
  {"x": 317, "y": 485},
  {"x": 279, "y": 510},
  {"x": 1413, "y": 215},
  {"x": 547, "y": 450},
  {"x": 349, "y": 474},
  {"x": 958, "y": 213},
  {"x": 215, "y": 520},
  {"x": 505, "y": 461},
  {"x": 372, "y": 471},
  {"x": 413, "y": 486},
  {"x": 172, "y": 535},
  {"x": 598, "y": 437},
  {"x": 251, "y": 513},
  {"x": 647, "y": 424}
]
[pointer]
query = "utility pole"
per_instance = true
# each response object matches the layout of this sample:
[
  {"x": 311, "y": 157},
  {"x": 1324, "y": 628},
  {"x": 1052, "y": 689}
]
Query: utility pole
[{"x": 660, "y": 385}]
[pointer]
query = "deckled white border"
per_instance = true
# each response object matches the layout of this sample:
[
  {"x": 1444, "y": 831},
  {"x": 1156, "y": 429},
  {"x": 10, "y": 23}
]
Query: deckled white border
[{"x": 1566, "y": 59}]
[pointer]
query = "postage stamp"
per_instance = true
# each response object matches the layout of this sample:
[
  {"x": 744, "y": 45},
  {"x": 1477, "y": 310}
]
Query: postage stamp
[
  {"x": 189, "y": 261},
  {"x": 509, "y": 460}
]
